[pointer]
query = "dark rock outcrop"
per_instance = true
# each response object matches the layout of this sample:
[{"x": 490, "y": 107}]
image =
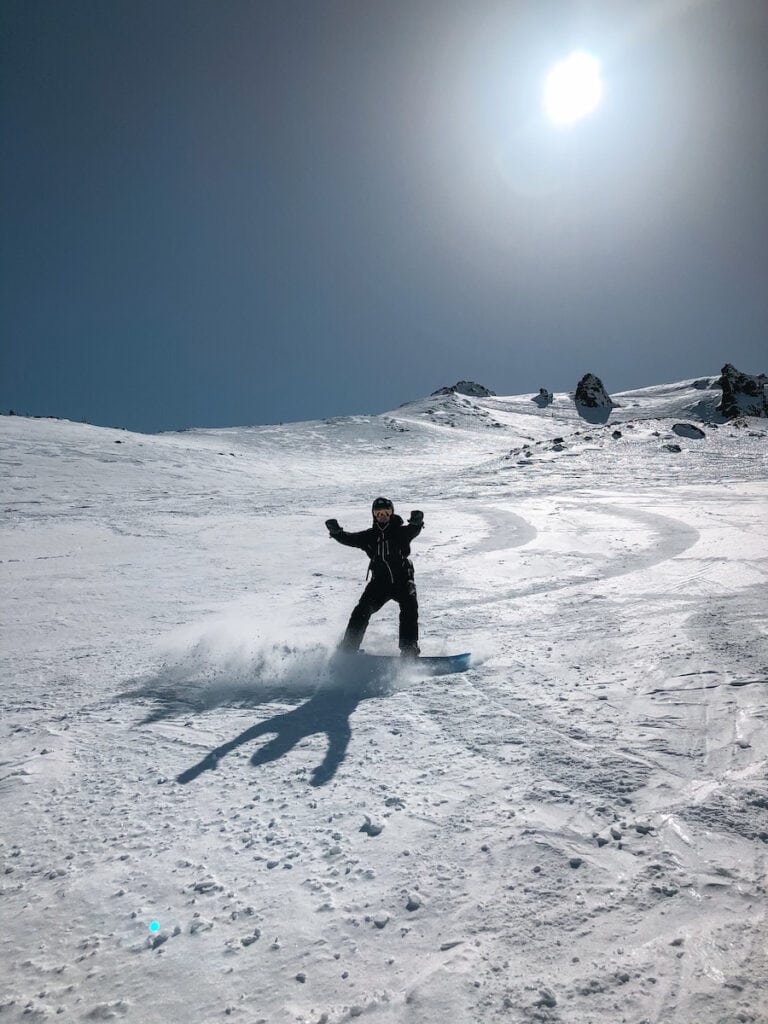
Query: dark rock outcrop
[
  {"x": 591, "y": 394},
  {"x": 466, "y": 387},
  {"x": 688, "y": 430},
  {"x": 744, "y": 394},
  {"x": 544, "y": 398}
]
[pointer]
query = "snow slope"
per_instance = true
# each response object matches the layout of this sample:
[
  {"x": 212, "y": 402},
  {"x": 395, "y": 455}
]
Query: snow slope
[{"x": 201, "y": 821}]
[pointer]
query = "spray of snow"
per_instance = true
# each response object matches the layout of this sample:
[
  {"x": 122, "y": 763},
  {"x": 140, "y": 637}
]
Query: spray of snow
[{"x": 224, "y": 661}]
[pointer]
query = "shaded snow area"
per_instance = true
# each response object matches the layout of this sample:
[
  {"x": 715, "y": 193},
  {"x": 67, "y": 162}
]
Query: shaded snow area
[{"x": 202, "y": 820}]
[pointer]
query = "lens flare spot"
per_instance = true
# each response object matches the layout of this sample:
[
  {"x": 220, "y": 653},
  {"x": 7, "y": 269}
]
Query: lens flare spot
[{"x": 155, "y": 926}]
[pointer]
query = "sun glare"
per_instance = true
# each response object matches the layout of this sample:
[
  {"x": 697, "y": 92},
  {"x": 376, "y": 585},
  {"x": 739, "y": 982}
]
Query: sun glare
[{"x": 572, "y": 89}]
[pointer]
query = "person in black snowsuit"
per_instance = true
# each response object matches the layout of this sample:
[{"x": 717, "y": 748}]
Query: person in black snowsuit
[{"x": 388, "y": 545}]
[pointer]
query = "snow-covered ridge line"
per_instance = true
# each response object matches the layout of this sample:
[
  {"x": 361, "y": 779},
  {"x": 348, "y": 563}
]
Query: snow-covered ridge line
[{"x": 476, "y": 408}]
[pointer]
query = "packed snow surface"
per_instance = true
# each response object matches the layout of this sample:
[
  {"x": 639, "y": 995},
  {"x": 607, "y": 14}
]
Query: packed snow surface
[{"x": 203, "y": 820}]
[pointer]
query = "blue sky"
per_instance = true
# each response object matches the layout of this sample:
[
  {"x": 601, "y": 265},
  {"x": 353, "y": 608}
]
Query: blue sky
[{"x": 244, "y": 211}]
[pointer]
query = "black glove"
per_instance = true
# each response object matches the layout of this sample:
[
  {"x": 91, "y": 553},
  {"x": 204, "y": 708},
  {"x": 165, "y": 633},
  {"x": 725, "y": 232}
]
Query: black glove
[
  {"x": 333, "y": 526},
  {"x": 417, "y": 518}
]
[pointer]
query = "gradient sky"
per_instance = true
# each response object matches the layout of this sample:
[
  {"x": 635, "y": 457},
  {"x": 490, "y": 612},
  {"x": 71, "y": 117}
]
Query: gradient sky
[{"x": 226, "y": 212}]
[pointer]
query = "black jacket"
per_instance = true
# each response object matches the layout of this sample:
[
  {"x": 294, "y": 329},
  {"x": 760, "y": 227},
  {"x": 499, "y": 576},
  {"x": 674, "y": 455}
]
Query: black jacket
[{"x": 388, "y": 548}]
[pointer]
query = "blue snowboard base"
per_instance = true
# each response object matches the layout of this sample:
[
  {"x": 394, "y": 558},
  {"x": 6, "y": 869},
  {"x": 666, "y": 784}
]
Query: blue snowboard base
[{"x": 435, "y": 665}]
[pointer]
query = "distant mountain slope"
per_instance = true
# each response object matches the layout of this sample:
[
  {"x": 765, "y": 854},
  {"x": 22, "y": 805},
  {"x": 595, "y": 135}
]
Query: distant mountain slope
[{"x": 693, "y": 399}]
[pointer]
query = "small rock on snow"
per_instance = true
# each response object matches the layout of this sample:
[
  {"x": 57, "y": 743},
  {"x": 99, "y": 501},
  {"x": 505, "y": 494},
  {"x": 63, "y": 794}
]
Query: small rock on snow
[
  {"x": 414, "y": 901},
  {"x": 546, "y": 998},
  {"x": 371, "y": 828}
]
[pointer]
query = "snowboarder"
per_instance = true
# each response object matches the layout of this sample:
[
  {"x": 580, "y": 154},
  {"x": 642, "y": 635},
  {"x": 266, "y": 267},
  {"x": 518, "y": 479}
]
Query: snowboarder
[{"x": 388, "y": 545}]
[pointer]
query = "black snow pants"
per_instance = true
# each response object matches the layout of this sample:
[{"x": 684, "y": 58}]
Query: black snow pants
[{"x": 373, "y": 598}]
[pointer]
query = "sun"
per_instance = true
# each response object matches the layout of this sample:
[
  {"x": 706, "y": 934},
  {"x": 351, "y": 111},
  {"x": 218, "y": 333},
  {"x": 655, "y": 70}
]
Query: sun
[{"x": 573, "y": 88}]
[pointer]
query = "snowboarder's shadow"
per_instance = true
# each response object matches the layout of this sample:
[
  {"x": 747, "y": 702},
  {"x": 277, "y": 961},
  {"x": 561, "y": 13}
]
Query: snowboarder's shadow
[{"x": 328, "y": 711}]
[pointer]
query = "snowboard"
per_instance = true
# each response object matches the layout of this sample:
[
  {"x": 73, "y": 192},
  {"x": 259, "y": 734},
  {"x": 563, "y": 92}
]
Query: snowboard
[{"x": 430, "y": 665}]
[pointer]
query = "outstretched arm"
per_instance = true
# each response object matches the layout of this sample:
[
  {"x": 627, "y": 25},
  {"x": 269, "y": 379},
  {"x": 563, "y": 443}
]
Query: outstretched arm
[{"x": 352, "y": 540}]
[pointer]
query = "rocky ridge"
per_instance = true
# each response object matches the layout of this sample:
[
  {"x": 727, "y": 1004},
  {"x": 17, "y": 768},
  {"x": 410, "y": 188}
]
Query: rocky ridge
[{"x": 744, "y": 394}]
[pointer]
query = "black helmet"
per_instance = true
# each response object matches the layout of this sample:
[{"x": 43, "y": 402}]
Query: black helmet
[{"x": 382, "y": 503}]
